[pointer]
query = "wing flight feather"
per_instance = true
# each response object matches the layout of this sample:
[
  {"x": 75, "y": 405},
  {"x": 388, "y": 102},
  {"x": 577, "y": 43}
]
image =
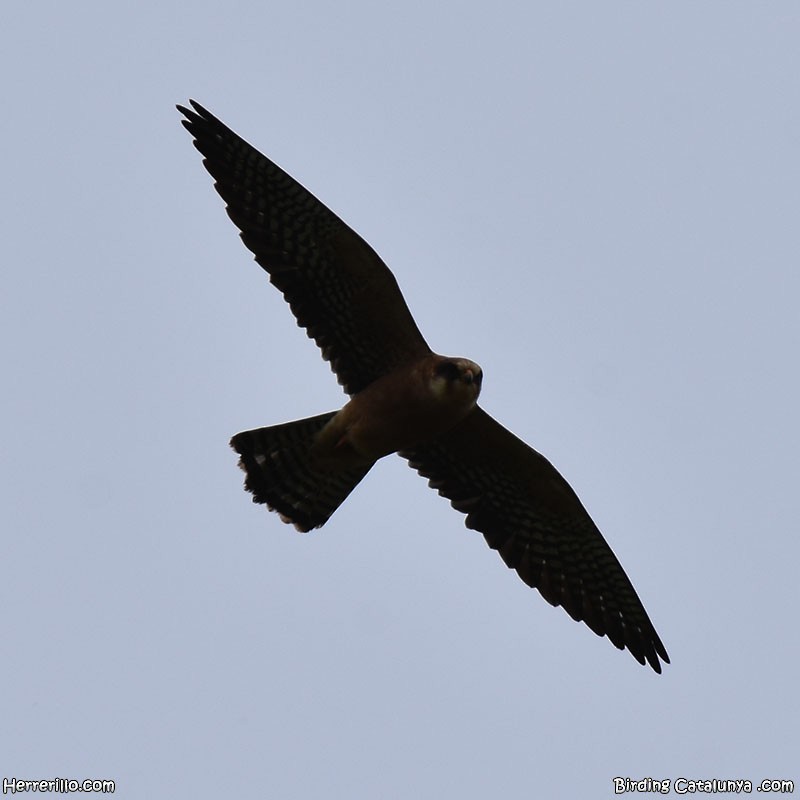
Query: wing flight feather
[
  {"x": 531, "y": 516},
  {"x": 337, "y": 286}
]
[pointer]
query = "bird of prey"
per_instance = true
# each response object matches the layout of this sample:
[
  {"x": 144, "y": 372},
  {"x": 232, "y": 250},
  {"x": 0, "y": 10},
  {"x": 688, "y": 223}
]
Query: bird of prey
[{"x": 404, "y": 399}]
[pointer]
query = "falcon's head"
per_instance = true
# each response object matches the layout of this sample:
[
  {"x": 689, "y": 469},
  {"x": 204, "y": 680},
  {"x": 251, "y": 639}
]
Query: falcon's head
[{"x": 456, "y": 381}]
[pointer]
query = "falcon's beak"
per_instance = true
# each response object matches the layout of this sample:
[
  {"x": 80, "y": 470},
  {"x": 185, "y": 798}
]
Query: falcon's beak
[{"x": 473, "y": 376}]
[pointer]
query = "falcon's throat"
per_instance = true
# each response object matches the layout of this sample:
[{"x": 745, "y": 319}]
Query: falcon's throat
[{"x": 413, "y": 404}]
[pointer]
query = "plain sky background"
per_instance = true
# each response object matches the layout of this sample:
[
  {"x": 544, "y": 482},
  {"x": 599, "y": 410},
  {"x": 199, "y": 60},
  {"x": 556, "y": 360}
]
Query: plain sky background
[{"x": 598, "y": 202}]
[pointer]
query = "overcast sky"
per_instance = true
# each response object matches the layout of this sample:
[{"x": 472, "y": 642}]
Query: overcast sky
[{"x": 597, "y": 202}]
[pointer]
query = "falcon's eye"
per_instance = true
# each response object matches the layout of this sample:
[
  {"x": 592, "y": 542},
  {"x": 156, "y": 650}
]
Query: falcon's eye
[{"x": 448, "y": 370}]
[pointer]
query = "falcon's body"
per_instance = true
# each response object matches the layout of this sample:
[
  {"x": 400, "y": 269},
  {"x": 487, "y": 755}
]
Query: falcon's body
[
  {"x": 405, "y": 399},
  {"x": 414, "y": 404}
]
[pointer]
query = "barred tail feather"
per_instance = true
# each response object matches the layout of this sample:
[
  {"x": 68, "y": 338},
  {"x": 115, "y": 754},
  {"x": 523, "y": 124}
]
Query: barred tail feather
[{"x": 282, "y": 472}]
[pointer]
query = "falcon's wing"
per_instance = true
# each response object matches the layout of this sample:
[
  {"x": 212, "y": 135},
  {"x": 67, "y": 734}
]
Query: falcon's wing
[
  {"x": 338, "y": 288},
  {"x": 531, "y": 516}
]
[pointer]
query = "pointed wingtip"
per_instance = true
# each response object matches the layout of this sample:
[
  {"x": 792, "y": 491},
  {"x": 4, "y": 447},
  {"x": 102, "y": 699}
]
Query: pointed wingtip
[{"x": 196, "y": 110}]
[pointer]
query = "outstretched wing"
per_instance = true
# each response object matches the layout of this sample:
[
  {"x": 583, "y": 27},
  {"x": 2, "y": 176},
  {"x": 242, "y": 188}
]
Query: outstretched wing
[
  {"x": 338, "y": 288},
  {"x": 531, "y": 516}
]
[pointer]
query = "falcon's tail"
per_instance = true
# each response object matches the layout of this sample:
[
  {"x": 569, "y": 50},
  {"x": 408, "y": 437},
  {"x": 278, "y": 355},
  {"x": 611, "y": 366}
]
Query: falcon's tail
[{"x": 283, "y": 472}]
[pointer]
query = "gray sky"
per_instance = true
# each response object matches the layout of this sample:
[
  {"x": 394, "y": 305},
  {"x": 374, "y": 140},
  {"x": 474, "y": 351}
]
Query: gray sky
[{"x": 597, "y": 202}]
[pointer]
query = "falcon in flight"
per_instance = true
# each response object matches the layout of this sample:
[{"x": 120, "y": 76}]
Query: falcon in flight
[{"x": 404, "y": 399}]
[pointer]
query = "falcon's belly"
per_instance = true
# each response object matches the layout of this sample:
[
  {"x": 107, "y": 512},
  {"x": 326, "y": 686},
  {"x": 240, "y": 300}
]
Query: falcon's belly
[{"x": 412, "y": 404}]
